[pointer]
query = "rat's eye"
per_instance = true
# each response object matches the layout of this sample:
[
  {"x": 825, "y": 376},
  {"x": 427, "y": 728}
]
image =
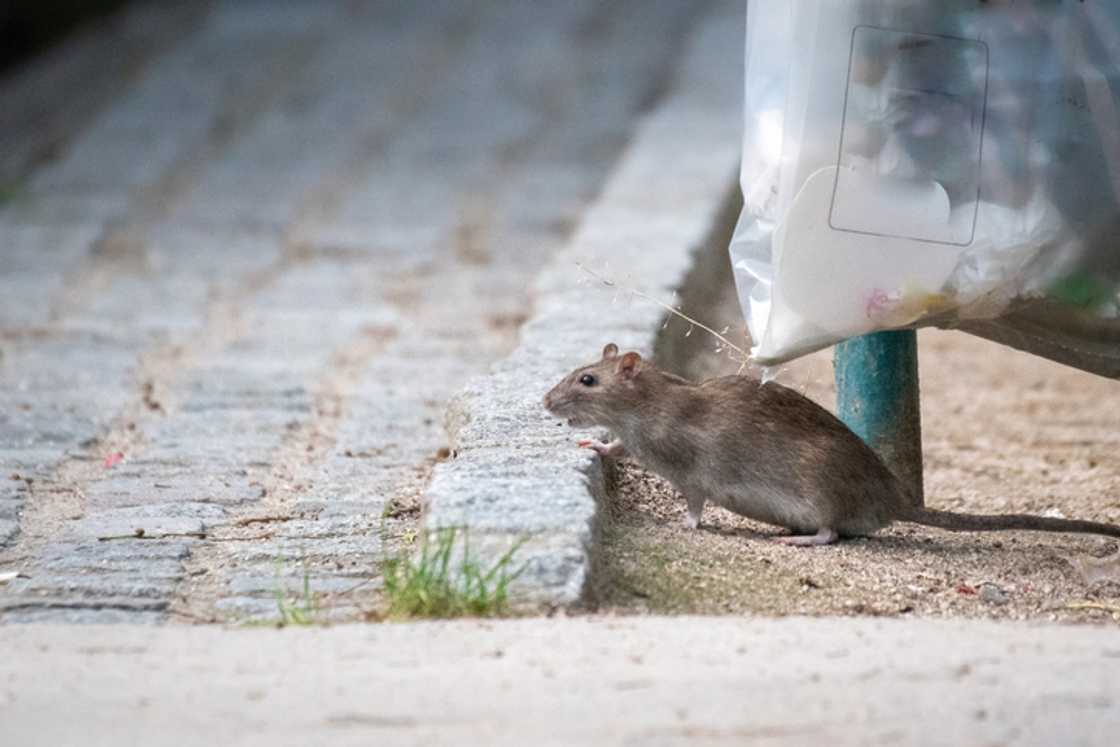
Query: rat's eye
[{"x": 588, "y": 380}]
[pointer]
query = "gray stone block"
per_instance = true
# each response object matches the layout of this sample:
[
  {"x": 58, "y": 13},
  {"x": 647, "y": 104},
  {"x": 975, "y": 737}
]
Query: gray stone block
[
  {"x": 9, "y": 528},
  {"x": 95, "y": 614},
  {"x": 123, "y": 554},
  {"x": 366, "y": 547},
  {"x": 9, "y": 510},
  {"x": 153, "y": 518},
  {"x": 92, "y": 587},
  {"x": 290, "y": 584},
  {"x": 248, "y": 609}
]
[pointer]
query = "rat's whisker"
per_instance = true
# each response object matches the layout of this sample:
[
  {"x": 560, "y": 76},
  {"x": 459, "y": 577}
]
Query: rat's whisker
[{"x": 675, "y": 311}]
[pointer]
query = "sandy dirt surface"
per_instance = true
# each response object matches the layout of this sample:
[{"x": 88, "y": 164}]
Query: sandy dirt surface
[{"x": 1003, "y": 432}]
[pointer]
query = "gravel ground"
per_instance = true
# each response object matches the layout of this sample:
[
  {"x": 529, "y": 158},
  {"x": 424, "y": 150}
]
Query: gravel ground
[{"x": 1004, "y": 432}]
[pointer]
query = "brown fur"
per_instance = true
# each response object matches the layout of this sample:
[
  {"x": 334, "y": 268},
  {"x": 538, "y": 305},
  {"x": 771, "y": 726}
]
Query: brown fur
[{"x": 761, "y": 450}]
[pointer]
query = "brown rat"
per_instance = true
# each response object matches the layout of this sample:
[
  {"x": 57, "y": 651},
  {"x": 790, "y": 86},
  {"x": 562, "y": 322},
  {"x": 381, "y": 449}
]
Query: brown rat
[{"x": 760, "y": 450}]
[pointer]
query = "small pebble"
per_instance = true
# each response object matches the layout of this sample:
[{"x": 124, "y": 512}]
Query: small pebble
[{"x": 993, "y": 594}]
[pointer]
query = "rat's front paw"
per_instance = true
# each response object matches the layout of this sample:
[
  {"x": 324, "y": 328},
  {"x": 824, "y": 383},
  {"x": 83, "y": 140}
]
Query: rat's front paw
[{"x": 613, "y": 449}]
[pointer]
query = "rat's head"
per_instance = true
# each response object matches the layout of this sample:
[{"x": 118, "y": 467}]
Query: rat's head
[{"x": 595, "y": 394}]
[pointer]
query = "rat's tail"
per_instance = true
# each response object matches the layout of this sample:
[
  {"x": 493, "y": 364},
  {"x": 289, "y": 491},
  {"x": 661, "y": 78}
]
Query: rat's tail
[{"x": 990, "y": 522}]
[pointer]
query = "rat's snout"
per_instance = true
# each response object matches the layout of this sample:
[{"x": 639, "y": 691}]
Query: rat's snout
[
  {"x": 562, "y": 402},
  {"x": 552, "y": 399}
]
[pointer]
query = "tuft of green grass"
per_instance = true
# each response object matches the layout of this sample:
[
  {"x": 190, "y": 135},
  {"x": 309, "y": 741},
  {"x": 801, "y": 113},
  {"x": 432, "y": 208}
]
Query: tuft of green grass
[
  {"x": 301, "y": 610},
  {"x": 432, "y": 584}
]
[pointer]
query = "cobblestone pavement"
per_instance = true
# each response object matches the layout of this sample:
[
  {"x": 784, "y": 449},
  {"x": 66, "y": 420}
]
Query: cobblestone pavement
[{"x": 238, "y": 291}]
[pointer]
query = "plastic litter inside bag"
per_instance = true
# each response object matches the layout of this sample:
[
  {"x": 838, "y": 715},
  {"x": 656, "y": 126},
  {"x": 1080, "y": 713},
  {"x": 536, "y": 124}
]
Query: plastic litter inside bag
[{"x": 954, "y": 164}]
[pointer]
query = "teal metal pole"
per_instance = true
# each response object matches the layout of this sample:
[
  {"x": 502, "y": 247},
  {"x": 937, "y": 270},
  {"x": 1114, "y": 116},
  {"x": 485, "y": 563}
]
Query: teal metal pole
[{"x": 877, "y": 397}]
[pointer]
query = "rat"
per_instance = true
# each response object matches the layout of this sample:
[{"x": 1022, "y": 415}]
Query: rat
[{"x": 761, "y": 450}]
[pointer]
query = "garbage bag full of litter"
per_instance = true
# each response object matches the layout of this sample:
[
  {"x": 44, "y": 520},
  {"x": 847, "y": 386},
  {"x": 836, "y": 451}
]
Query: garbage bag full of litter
[{"x": 956, "y": 164}]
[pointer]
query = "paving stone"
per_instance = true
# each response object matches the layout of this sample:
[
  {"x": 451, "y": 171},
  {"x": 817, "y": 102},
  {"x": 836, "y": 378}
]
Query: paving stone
[
  {"x": 60, "y": 207},
  {"x": 90, "y": 586},
  {"x": 294, "y": 401},
  {"x": 289, "y": 583},
  {"x": 98, "y": 613},
  {"x": 154, "y": 518},
  {"x": 248, "y": 608},
  {"x": 9, "y": 528},
  {"x": 34, "y": 271},
  {"x": 347, "y": 550},
  {"x": 240, "y": 443},
  {"x": 36, "y": 463},
  {"x": 67, "y": 362},
  {"x": 41, "y": 428},
  {"x": 122, "y": 554},
  {"x": 166, "y": 570},
  {"x": 75, "y": 581},
  {"x": 9, "y": 509},
  {"x": 321, "y": 527},
  {"x": 172, "y": 488},
  {"x": 334, "y": 506}
]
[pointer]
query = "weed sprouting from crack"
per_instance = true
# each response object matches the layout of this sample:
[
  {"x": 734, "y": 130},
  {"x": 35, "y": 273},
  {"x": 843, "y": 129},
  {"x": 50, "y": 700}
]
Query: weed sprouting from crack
[
  {"x": 432, "y": 584},
  {"x": 300, "y": 610}
]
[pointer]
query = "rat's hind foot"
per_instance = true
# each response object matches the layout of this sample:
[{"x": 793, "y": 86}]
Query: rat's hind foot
[
  {"x": 824, "y": 536},
  {"x": 695, "y": 511}
]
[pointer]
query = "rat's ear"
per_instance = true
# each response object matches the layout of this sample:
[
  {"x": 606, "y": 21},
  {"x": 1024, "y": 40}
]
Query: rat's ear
[
  {"x": 610, "y": 351},
  {"x": 629, "y": 365}
]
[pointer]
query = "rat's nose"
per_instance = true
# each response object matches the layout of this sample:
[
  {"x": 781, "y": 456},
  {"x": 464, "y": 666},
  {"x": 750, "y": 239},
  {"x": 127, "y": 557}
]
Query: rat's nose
[{"x": 547, "y": 401}]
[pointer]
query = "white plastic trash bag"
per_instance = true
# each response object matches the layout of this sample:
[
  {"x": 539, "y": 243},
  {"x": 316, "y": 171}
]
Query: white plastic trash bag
[{"x": 910, "y": 163}]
